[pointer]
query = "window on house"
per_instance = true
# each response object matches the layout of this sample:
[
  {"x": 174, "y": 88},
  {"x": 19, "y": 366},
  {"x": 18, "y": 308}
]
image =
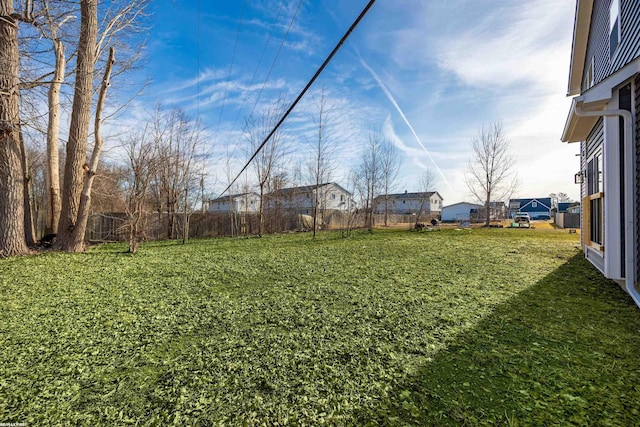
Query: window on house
[
  {"x": 342, "y": 197},
  {"x": 534, "y": 204},
  {"x": 593, "y": 216},
  {"x": 333, "y": 196},
  {"x": 589, "y": 76},
  {"x": 614, "y": 26}
]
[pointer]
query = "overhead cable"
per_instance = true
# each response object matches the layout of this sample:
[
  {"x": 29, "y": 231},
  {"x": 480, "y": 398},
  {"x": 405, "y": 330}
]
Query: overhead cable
[
  {"x": 306, "y": 88},
  {"x": 255, "y": 72},
  {"x": 233, "y": 57},
  {"x": 275, "y": 59}
]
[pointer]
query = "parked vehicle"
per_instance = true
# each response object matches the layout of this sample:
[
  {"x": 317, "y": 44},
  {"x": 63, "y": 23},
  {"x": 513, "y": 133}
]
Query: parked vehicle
[{"x": 522, "y": 219}]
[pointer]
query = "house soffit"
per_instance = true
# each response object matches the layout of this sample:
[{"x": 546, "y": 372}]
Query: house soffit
[
  {"x": 577, "y": 128},
  {"x": 581, "y": 27}
]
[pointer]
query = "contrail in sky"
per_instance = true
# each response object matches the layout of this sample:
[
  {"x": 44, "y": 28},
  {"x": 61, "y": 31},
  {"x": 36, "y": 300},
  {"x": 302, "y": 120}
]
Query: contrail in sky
[{"x": 399, "y": 110}]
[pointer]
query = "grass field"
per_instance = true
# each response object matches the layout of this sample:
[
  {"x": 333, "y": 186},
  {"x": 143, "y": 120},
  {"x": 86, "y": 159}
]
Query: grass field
[{"x": 472, "y": 327}]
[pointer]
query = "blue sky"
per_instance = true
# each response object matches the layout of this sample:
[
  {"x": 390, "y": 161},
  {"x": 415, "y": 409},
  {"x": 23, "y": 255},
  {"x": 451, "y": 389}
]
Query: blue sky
[{"x": 428, "y": 74}]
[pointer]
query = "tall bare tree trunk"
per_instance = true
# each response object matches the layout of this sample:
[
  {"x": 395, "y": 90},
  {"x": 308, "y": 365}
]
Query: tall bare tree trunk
[
  {"x": 29, "y": 228},
  {"x": 12, "y": 237},
  {"x": 75, "y": 166},
  {"x": 487, "y": 209},
  {"x": 85, "y": 199},
  {"x": 261, "y": 211},
  {"x": 52, "y": 169}
]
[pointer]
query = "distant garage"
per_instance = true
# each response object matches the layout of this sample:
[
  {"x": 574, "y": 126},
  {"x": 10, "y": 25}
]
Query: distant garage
[{"x": 459, "y": 211}]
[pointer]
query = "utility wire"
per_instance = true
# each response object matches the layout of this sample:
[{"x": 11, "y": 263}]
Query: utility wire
[
  {"x": 233, "y": 58},
  {"x": 255, "y": 72},
  {"x": 198, "y": 60},
  {"x": 275, "y": 59},
  {"x": 306, "y": 88}
]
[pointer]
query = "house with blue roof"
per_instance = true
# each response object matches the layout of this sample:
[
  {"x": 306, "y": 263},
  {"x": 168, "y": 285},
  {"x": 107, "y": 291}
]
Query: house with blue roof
[
  {"x": 537, "y": 208},
  {"x": 563, "y": 206}
]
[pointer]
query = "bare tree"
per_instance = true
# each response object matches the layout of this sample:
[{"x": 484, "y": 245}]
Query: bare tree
[
  {"x": 91, "y": 168},
  {"x": 350, "y": 216},
  {"x": 52, "y": 175},
  {"x": 12, "y": 231},
  {"x": 367, "y": 176},
  {"x": 490, "y": 174},
  {"x": 178, "y": 141},
  {"x": 389, "y": 168},
  {"x": 75, "y": 164},
  {"x": 323, "y": 150},
  {"x": 428, "y": 181},
  {"x": 142, "y": 163},
  {"x": 108, "y": 190},
  {"x": 270, "y": 157},
  {"x": 554, "y": 200},
  {"x": 46, "y": 65},
  {"x": 37, "y": 188}
]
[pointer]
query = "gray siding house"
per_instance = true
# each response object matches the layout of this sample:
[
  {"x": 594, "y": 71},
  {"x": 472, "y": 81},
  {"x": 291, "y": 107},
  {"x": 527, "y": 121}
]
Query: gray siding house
[
  {"x": 410, "y": 203},
  {"x": 604, "y": 117},
  {"x": 329, "y": 197},
  {"x": 235, "y": 203}
]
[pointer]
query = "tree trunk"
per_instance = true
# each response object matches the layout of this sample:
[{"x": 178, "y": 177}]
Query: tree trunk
[
  {"x": 185, "y": 222},
  {"x": 386, "y": 208},
  {"x": 29, "y": 229},
  {"x": 487, "y": 210},
  {"x": 12, "y": 237},
  {"x": 52, "y": 169},
  {"x": 85, "y": 201},
  {"x": 261, "y": 211},
  {"x": 75, "y": 166},
  {"x": 171, "y": 223},
  {"x": 315, "y": 210}
]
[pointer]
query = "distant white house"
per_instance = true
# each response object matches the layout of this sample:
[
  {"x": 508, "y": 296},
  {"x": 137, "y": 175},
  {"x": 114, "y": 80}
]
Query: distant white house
[
  {"x": 329, "y": 197},
  {"x": 410, "y": 203},
  {"x": 236, "y": 203},
  {"x": 461, "y": 211}
]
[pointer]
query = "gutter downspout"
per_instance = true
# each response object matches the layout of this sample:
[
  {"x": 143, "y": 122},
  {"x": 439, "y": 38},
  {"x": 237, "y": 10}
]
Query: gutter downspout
[{"x": 629, "y": 205}]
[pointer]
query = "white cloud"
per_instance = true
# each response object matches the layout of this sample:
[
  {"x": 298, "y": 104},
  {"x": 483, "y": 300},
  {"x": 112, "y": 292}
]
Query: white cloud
[
  {"x": 207, "y": 75},
  {"x": 474, "y": 62},
  {"x": 526, "y": 50}
]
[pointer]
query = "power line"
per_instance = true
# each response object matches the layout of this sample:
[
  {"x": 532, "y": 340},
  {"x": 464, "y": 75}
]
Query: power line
[
  {"x": 275, "y": 59},
  {"x": 198, "y": 60},
  {"x": 306, "y": 88},
  {"x": 233, "y": 57},
  {"x": 255, "y": 72}
]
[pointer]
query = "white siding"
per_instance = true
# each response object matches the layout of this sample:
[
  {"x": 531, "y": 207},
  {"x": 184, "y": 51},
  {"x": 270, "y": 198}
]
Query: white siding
[
  {"x": 458, "y": 212},
  {"x": 241, "y": 203},
  {"x": 330, "y": 197}
]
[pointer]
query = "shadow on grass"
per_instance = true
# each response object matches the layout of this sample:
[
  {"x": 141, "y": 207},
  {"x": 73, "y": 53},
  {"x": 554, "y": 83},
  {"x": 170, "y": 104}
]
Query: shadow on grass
[{"x": 565, "y": 351}]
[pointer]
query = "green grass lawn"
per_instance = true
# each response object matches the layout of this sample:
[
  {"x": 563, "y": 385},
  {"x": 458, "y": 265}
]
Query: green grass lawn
[{"x": 490, "y": 326}]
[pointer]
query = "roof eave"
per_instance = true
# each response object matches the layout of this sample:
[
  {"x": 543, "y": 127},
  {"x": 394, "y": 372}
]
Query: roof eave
[
  {"x": 596, "y": 98},
  {"x": 581, "y": 27}
]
